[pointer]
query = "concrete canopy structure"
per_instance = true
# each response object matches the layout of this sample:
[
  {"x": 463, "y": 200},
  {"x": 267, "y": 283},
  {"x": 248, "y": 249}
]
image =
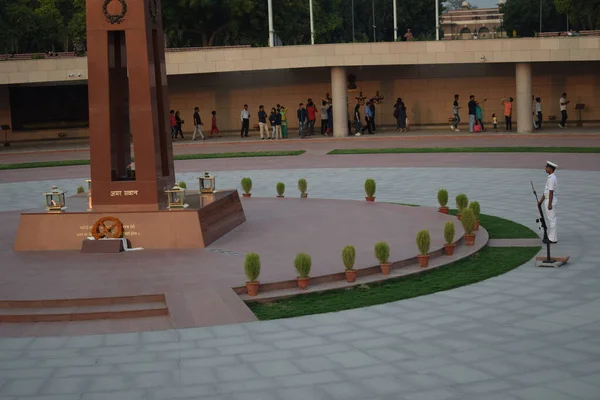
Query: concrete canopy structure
[{"x": 424, "y": 74}]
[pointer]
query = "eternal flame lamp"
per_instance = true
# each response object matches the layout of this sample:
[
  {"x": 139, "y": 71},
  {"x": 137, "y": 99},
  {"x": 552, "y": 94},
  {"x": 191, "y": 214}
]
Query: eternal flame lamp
[
  {"x": 89, "y": 184},
  {"x": 176, "y": 197},
  {"x": 207, "y": 184},
  {"x": 55, "y": 200}
]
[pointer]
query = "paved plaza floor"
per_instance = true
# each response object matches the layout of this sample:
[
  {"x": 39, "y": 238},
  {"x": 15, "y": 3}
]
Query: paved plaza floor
[{"x": 529, "y": 334}]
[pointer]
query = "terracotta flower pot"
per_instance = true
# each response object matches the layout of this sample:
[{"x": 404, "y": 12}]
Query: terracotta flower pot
[
  {"x": 280, "y": 197},
  {"x": 247, "y": 194},
  {"x": 476, "y": 225},
  {"x": 449, "y": 249},
  {"x": 303, "y": 195},
  {"x": 469, "y": 239},
  {"x": 252, "y": 288},
  {"x": 423, "y": 260},
  {"x": 386, "y": 268},
  {"x": 350, "y": 275},
  {"x": 303, "y": 283},
  {"x": 443, "y": 210},
  {"x": 458, "y": 216},
  {"x": 370, "y": 198}
]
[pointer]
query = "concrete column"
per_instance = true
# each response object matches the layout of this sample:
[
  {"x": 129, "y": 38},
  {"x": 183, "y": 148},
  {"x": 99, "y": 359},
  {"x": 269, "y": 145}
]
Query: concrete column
[
  {"x": 523, "y": 100},
  {"x": 339, "y": 101}
]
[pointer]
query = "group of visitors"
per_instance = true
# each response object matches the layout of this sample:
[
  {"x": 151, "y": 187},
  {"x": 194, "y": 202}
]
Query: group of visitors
[
  {"x": 275, "y": 125},
  {"x": 176, "y": 123},
  {"x": 476, "y": 113},
  {"x": 278, "y": 120},
  {"x": 369, "y": 111}
]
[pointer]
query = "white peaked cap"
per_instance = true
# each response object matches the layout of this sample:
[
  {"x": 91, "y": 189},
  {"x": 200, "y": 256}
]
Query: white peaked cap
[{"x": 550, "y": 163}]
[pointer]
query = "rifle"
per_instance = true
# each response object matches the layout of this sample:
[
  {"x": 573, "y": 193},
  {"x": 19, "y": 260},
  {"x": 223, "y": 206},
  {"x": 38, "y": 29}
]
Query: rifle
[{"x": 542, "y": 221}]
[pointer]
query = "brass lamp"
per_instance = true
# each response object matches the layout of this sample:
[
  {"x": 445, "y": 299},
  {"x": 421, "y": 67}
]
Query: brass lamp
[
  {"x": 176, "y": 197},
  {"x": 207, "y": 184},
  {"x": 55, "y": 200}
]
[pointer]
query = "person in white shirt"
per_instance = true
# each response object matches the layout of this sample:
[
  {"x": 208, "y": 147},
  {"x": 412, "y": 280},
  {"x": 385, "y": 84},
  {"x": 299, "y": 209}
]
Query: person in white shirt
[
  {"x": 245, "y": 117},
  {"x": 563, "y": 110},
  {"x": 538, "y": 112},
  {"x": 549, "y": 201}
]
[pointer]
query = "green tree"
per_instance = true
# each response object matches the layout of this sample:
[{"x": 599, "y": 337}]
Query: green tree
[
  {"x": 582, "y": 14},
  {"x": 523, "y": 16}
]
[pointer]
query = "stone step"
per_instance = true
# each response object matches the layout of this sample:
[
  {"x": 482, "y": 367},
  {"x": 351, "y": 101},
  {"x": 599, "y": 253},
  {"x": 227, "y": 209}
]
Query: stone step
[{"x": 81, "y": 310}]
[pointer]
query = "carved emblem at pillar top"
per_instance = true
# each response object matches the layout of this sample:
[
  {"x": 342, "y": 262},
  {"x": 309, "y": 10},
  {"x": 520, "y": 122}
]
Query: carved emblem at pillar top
[{"x": 116, "y": 14}]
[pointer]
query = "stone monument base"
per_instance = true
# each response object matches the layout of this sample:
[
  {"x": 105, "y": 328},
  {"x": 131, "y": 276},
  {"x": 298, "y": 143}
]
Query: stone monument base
[{"x": 206, "y": 219}]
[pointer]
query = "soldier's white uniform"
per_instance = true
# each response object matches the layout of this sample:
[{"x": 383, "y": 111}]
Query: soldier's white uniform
[{"x": 551, "y": 184}]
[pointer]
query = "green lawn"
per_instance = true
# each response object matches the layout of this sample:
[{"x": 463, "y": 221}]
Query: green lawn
[
  {"x": 500, "y": 228},
  {"x": 487, "y": 263},
  {"x": 469, "y": 150},
  {"x": 65, "y": 163}
]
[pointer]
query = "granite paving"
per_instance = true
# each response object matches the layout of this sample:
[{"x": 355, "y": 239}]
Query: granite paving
[{"x": 529, "y": 334}]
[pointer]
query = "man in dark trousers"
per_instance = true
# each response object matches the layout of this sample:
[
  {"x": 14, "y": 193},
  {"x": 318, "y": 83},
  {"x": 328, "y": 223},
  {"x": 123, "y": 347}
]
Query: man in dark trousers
[
  {"x": 245, "y": 116},
  {"x": 302, "y": 115}
]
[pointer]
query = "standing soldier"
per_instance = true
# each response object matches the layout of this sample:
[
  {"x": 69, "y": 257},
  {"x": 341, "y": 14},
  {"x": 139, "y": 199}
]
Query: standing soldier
[{"x": 549, "y": 201}]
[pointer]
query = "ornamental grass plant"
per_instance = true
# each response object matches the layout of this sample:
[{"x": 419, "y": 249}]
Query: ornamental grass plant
[
  {"x": 442, "y": 197},
  {"x": 280, "y": 187},
  {"x": 349, "y": 257},
  {"x": 382, "y": 252},
  {"x": 252, "y": 266},
  {"x": 303, "y": 264},
  {"x": 246, "y": 185},
  {"x": 449, "y": 232},
  {"x": 423, "y": 241},
  {"x": 370, "y": 187},
  {"x": 462, "y": 201}
]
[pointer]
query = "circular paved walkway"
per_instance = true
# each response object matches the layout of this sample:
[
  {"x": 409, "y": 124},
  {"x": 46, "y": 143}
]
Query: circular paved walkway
[{"x": 529, "y": 334}]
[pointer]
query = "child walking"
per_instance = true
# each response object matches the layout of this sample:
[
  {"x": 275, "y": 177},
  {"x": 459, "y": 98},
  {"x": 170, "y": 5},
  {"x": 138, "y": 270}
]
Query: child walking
[
  {"x": 495, "y": 122},
  {"x": 213, "y": 126}
]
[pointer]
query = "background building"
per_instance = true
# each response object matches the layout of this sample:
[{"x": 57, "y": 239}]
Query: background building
[{"x": 473, "y": 23}]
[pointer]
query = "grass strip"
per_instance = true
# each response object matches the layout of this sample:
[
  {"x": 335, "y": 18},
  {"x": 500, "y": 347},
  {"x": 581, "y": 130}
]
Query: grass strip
[
  {"x": 485, "y": 264},
  {"x": 66, "y": 163},
  {"x": 406, "y": 150},
  {"x": 500, "y": 228}
]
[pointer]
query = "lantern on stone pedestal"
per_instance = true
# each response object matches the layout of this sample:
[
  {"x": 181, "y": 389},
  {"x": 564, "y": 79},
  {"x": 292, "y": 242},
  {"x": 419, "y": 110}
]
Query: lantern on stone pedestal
[
  {"x": 176, "y": 197},
  {"x": 55, "y": 200},
  {"x": 207, "y": 183}
]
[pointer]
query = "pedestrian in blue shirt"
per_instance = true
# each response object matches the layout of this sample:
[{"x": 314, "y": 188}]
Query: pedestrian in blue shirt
[
  {"x": 368, "y": 117},
  {"x": 302, "y": 120}
]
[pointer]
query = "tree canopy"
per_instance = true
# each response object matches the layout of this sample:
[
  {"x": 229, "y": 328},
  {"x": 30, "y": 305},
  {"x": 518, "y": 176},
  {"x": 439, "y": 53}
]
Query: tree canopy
[
  {"x": 59, "y": 25},
  {"x": 523, "y": 16}
]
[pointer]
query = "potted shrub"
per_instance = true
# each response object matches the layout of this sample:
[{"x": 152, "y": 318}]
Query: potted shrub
[
  {"x": 468, "y": 223},
  {"x": 80, "y": 189},
  {"x": 247, "y": 187},
  {"x": 382, "y": 252},
  {"x": 423, "y": 244},
  {"x": 280, "y": 187},
  {"x": 449, "y": 237},
  {"x": 370, "y": 188},
  {"x": 182, "y": 185},
  {"x": 303, "y": 263},
  {"x": 252, "y": 270},
  {"x": 302, "y": 186},
  {"x": 348, "y": 257},
  {"x": 474, "y": 205},
  {"x": 443, "y": 201},
  {"x": 462, "y": 201}
]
